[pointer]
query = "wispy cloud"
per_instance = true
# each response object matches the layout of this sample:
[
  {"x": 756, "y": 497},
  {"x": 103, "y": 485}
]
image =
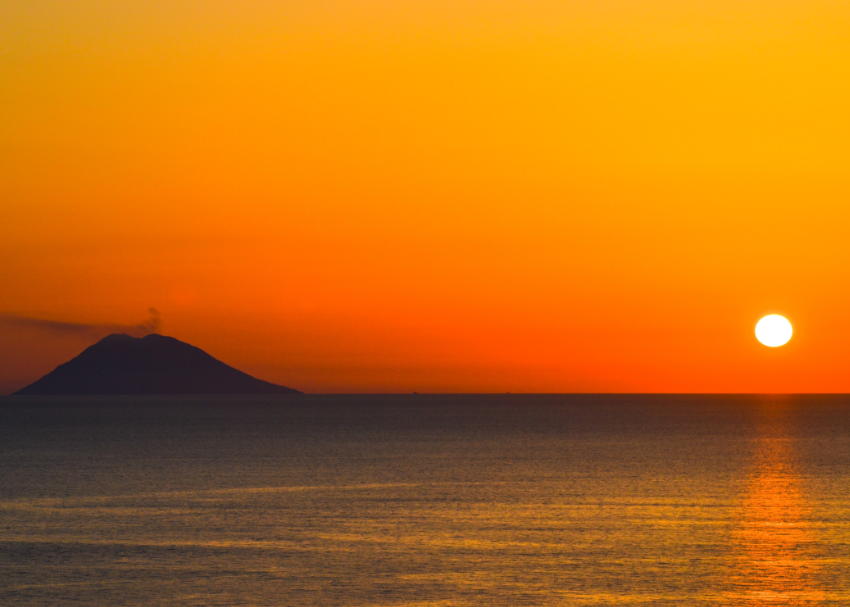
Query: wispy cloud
[{"x": 88, "y": 330}]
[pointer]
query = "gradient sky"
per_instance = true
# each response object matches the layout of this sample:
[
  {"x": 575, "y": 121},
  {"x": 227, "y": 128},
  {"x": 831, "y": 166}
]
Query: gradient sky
[{"x": 381, "y": 196}]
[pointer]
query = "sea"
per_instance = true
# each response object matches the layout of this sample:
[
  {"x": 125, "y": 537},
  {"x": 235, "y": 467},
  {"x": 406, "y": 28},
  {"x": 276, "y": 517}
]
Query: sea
[{"x": 425, "y": 500}]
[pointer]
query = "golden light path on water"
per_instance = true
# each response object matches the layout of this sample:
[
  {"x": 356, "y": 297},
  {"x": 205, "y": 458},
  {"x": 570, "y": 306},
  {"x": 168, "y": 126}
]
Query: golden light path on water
[{"x": 775, "y": 537}]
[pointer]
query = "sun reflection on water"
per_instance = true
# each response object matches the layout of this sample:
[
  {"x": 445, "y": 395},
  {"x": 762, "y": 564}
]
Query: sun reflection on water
[{"x": 775, "y": 537}]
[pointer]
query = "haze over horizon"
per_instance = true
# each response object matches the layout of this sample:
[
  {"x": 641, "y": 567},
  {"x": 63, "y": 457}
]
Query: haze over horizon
[{"x": 382, "y": 196}]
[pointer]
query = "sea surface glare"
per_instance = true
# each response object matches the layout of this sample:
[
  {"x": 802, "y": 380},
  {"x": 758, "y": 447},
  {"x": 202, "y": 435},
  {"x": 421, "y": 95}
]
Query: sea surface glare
[{"x": 425, "y": 501}]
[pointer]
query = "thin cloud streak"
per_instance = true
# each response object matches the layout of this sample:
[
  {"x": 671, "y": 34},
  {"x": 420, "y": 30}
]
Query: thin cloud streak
[{"x": 84, "y": 330}]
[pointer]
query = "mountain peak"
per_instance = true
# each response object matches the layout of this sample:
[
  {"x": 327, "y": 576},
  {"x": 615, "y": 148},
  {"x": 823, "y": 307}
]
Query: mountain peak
[{"x": 154, "y": 364}]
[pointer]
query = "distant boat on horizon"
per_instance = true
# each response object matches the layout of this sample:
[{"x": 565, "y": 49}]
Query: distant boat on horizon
[{"x": 155, "y": 364}]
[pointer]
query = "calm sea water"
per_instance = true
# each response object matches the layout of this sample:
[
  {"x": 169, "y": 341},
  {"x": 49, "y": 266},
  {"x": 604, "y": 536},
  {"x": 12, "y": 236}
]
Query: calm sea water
[{"x": 425, "y": 501}]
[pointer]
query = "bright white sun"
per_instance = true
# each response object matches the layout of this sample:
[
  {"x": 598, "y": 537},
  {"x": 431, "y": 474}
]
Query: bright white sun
[{"x": 773, "y": 330}]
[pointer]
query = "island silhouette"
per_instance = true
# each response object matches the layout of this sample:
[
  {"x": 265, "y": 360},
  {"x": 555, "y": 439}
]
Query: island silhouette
[{"x": 154, "y": 364}]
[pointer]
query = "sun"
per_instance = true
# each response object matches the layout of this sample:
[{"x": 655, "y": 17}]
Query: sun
[{"x": 773, "y": 330}]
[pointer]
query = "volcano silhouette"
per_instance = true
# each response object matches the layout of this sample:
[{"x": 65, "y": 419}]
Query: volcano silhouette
[{"x": 155, "y": 364}]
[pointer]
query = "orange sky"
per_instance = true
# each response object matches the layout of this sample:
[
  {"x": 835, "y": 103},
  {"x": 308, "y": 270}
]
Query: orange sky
[{"x": 380, "y": 196}]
